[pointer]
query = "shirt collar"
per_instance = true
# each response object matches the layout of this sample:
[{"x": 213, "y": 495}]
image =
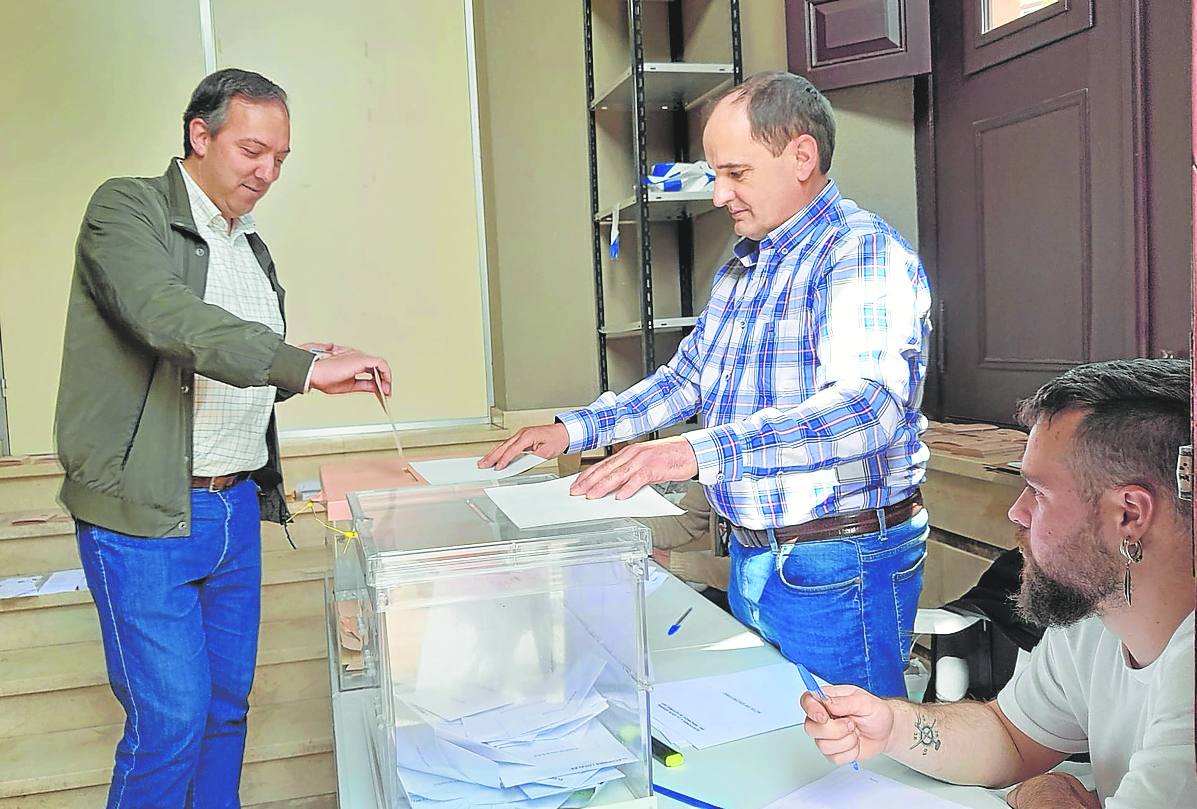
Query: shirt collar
[
  {"x": 205, "y": 212},
  {"x": 747, "y": 250}
]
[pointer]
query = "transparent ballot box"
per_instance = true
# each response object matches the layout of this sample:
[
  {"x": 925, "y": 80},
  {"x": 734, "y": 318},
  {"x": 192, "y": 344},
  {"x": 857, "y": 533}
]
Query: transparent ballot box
[{"x": 511, "y": 665}]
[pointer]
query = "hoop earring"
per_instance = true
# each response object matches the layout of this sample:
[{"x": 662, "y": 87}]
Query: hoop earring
[{"x": 1132, "y": 552}]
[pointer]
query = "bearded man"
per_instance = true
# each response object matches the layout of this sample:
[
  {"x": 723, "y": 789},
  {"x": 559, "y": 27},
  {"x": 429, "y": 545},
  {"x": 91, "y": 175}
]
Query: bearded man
[{"x": 1108, "y": 551}]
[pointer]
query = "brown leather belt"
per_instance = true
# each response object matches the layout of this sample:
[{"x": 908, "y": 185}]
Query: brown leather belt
[
  {"x": 838, "y": 526},
  {"x": 218, "y": 483}
]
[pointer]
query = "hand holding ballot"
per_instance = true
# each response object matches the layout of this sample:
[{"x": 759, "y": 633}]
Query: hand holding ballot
[
  {"x": 852, "y": 725},
  {"x": 545, "y": 440},
  {"x": 337, "y": 368}
]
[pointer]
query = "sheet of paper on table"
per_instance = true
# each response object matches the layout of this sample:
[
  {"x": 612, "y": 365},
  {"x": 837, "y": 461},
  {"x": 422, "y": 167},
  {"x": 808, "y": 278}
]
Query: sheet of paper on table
[
  {"x": 709, "y": 711},
  {"x": 535, "y": 505},
  {"x": 465, "y": 470},
  {"x": 844, "y": 788}
]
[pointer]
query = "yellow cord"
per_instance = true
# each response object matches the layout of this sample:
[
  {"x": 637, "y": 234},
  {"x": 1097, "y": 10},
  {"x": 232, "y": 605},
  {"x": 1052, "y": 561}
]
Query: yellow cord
[{"x": 348, "y": 536}]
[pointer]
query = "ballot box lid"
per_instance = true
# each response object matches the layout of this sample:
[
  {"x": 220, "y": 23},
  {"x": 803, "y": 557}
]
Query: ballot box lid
[{"x": 419, "y": 533}]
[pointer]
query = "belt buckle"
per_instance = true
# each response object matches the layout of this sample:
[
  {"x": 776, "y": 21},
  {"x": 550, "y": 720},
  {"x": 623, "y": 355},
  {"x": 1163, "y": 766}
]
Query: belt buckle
[{"x": 212, "y": 484}]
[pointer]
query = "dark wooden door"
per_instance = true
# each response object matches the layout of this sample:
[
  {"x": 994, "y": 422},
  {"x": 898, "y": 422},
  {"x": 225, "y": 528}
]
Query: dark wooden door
[{"x": 1039, "y": 196}]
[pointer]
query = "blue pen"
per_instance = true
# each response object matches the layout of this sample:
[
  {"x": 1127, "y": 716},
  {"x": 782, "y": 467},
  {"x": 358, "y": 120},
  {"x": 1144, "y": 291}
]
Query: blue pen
[
  {"x": 812, "y": 685},
  {"x": 678, "y": 623},
  {"x": 686, "y": 799}
]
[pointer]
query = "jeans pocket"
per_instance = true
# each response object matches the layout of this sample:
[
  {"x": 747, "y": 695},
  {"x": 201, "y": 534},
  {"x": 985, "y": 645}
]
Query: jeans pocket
[
  {"x": 907, "y": 586},
  {"x": 823, "y": 566}
]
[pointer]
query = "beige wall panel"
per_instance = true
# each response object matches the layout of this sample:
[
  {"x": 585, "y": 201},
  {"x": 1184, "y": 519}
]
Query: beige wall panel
[
  {"x": 874, "y": 151},
  {"x": 763, "y": 35},
  {"x": 373, "y": 223},
  {"x": 537, "y": 176},
  {"x": 89, "y": 91}
]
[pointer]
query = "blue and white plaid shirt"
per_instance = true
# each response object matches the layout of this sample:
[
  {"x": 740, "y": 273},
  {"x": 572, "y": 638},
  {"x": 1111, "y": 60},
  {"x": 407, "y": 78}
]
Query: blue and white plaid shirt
[{"x": 806, "y": 369}]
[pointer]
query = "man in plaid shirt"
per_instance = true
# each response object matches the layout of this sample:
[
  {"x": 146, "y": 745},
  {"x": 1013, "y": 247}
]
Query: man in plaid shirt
[{"x": 806, "y": 370}]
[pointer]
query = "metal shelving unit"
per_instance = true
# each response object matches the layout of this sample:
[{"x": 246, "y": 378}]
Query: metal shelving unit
[{"x": 675, "y": 87}]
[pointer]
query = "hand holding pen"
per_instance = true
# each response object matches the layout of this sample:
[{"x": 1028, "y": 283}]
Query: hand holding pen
[{"x": 847, "y": 723}]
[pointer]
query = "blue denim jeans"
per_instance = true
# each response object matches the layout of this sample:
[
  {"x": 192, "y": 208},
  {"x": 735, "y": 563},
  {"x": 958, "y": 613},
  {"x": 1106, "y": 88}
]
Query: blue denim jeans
[
  {"x": 844, "y": 608},
  {"x": 179, "y": 619}
]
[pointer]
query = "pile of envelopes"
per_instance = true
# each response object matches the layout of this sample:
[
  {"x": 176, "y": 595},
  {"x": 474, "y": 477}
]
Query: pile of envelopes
[{"x": 477, "y": 748}]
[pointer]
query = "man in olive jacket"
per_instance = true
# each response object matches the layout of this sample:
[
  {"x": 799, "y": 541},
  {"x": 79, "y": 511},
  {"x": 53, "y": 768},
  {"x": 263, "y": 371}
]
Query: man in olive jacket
[{"x": 174, "y": 356}]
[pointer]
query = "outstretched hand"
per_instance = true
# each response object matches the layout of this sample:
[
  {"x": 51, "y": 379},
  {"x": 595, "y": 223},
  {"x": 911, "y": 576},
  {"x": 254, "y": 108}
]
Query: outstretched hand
[
  {"x": 632, "y": 468},
  {"x": 339, "y": 373}
]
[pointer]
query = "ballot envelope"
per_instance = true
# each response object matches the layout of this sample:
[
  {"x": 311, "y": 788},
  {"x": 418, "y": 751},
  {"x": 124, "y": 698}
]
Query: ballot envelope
[{"x": 510, "y": 665}]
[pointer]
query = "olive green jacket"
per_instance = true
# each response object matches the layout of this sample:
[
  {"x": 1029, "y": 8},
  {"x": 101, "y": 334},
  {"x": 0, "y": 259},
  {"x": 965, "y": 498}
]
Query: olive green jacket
[{"x": 137, "y": 333}]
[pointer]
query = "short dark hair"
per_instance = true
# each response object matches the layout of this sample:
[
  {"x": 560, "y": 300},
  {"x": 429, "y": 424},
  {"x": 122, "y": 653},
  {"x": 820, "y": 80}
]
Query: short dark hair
[
  {"x": 210, "y": 101},
  {"x": 1138, "y": 413},
  {"x": 782, "y": 106}
]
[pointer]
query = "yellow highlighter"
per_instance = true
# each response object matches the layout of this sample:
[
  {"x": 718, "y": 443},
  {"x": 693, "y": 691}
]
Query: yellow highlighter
[{"x": 666, "y": 754}]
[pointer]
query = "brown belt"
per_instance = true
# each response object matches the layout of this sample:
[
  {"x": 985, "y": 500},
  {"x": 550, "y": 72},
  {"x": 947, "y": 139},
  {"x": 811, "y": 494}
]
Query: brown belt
[
  {"x": 218, "y": 483},
  {"x": 837, "y": 526}
]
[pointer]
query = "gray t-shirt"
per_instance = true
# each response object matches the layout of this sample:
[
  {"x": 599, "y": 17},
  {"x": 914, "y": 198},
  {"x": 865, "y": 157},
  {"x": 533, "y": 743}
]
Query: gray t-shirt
[{"x": 1079, "y": 693}]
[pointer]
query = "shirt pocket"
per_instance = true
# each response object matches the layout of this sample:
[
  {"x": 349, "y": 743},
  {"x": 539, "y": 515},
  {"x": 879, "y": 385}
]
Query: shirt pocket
[{"x": 788, "y": 360}]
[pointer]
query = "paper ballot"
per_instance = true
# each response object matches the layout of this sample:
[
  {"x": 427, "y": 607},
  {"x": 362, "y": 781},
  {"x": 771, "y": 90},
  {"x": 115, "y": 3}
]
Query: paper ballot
[
  {"x": 538, "y": 504},
  {"x": 465, "y": 470},
  {"x": 709, "y": 711},
  {"x": 844, "y": 788},
  {"x": 473, "y": 748}
]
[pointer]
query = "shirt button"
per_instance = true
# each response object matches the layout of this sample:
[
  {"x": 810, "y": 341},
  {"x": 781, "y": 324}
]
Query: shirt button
[
  {"x": 719, "y": 477},
  {"x": 199, "y": 251},
  {"x": 182, "y": 525},
  {"x": 185, "y": 389}
]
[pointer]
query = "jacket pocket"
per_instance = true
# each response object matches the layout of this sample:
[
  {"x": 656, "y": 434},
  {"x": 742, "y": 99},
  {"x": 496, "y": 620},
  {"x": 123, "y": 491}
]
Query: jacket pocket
[{"x": 145, "y": 397}]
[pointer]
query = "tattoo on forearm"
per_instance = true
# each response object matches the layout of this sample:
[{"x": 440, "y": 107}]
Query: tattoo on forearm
[{"x": 925, "y": 734}]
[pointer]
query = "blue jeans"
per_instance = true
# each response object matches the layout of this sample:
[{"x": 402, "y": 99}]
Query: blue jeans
[
  {"x": 179, "y": 619},
  {"x": 844, "y": 608}
]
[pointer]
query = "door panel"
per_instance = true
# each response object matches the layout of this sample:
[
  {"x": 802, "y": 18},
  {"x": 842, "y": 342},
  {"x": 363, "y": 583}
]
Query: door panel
[
  {"x": 841, "y": 43},
  {"x": 1020, "y": 233}
]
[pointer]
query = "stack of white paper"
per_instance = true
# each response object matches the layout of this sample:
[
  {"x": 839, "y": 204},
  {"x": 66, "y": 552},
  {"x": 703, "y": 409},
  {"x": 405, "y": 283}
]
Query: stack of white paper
[
  {"x": 709, "y": 711},
  {"x": 475, "y": 748}
]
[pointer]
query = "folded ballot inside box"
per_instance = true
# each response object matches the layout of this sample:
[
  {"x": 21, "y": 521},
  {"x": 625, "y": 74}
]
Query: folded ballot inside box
[
  {"x": 511, "y": 672},
  {"x": 681, "y": 176}
]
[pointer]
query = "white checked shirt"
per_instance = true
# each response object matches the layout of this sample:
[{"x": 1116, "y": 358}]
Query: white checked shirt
[{"x": 230, "y": 423}]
